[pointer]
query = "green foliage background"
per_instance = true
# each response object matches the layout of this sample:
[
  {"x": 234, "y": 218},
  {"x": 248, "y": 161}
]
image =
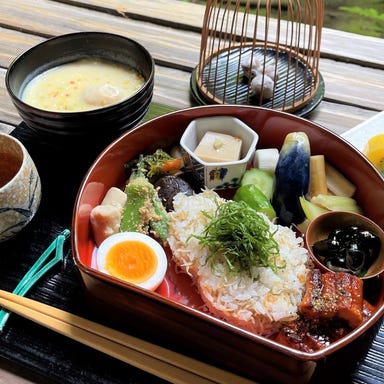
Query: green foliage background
[
  {"x": 365, "y": 17},
  {"x": 367, "y": 20}
]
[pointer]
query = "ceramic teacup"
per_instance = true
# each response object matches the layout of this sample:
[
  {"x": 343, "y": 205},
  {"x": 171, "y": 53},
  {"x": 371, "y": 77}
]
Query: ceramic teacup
[{"x": 20, "y": 187}]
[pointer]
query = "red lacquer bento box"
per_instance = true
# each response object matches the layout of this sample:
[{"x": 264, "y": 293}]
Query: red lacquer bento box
[{"x": 173, "y": 314}]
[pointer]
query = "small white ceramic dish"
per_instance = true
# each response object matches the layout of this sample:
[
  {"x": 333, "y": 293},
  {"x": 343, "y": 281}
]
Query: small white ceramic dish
[{"x": 219, "y": 175}]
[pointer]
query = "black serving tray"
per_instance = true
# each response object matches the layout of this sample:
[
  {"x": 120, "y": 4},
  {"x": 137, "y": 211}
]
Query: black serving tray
[{"x": 62, "y": 165}]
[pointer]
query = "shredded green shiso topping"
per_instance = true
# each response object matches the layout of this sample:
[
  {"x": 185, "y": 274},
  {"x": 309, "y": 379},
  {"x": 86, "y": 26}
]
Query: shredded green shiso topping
[{"x": 242, "y": 236}]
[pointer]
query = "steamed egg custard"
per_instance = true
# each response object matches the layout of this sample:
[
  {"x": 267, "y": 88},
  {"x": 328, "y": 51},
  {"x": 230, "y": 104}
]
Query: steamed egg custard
[
  {"x": 133, "y": 257},
  {"x": 82, "y": 85}
]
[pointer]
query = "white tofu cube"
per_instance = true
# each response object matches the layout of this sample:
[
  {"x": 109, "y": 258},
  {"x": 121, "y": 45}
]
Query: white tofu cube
[{"x": 217, "y": 147}]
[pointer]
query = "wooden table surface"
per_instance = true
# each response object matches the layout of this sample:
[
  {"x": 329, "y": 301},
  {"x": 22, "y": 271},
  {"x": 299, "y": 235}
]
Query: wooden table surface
[{"x": 352, "y": 65}]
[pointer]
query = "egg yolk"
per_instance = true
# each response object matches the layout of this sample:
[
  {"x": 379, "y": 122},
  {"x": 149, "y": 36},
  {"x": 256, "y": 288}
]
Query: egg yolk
[{"x": 131, "y": 260}]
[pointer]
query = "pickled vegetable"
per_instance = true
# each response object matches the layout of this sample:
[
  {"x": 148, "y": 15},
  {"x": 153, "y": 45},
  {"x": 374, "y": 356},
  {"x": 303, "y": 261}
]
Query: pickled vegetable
[
  {"x": 337, "y": 183},
  {"x": 337, "y": 203},
  {"x": 266, "y": 159},
  {"x": 317, "y": 179},
  {"x": 291, "y": 179},
  {"x": 311, "y": 210},
  {"x": 255, "y": 198},
  {"x": 261, "y": 179}
]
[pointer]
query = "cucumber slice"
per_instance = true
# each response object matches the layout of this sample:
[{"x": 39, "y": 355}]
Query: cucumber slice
[{"x": 261, "y": 179}]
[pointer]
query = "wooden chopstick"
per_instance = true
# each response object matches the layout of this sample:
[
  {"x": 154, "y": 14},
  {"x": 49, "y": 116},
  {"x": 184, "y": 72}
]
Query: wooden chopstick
[{"x": 164, "y": 363}]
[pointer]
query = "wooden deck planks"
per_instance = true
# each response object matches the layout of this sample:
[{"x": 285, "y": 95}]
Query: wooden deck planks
[
  {"x": 337, "y": 45},
  {"x": 47, "y": 18},
  {"x": 353, "y": 93}
]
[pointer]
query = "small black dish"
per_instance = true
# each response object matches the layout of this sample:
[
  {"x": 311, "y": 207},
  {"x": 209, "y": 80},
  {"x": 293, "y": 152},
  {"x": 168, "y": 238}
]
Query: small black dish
[{"x": 106, "y": 122}]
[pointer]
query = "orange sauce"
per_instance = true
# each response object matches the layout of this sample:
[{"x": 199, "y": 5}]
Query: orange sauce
[
  {"x": 9, "y": 165},
  {"x": 131, "y": 260}
]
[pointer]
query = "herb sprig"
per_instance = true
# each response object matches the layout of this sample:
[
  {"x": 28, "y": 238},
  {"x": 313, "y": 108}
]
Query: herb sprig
[{"x": 242, "y": 236}]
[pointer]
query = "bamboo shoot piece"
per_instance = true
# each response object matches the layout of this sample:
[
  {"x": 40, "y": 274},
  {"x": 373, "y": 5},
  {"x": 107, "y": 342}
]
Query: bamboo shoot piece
[
  {"x": 337, "y": 183},
  {"x": 317, "y": 178}
]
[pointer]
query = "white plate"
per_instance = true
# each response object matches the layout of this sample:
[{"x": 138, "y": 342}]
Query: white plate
[{"x": 359, "y": 135}]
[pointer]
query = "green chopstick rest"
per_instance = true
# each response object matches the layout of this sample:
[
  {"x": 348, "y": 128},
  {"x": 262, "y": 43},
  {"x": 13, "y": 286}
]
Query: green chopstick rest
[{"x": 42, "y": 265}]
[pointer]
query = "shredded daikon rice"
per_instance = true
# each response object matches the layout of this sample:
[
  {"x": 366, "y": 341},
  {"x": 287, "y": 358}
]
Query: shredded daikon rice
[{"x": 260, "y": 304}]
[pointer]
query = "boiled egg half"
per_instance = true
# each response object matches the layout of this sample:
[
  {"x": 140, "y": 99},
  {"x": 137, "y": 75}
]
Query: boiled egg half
[{"x": 133, "y": 257}]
